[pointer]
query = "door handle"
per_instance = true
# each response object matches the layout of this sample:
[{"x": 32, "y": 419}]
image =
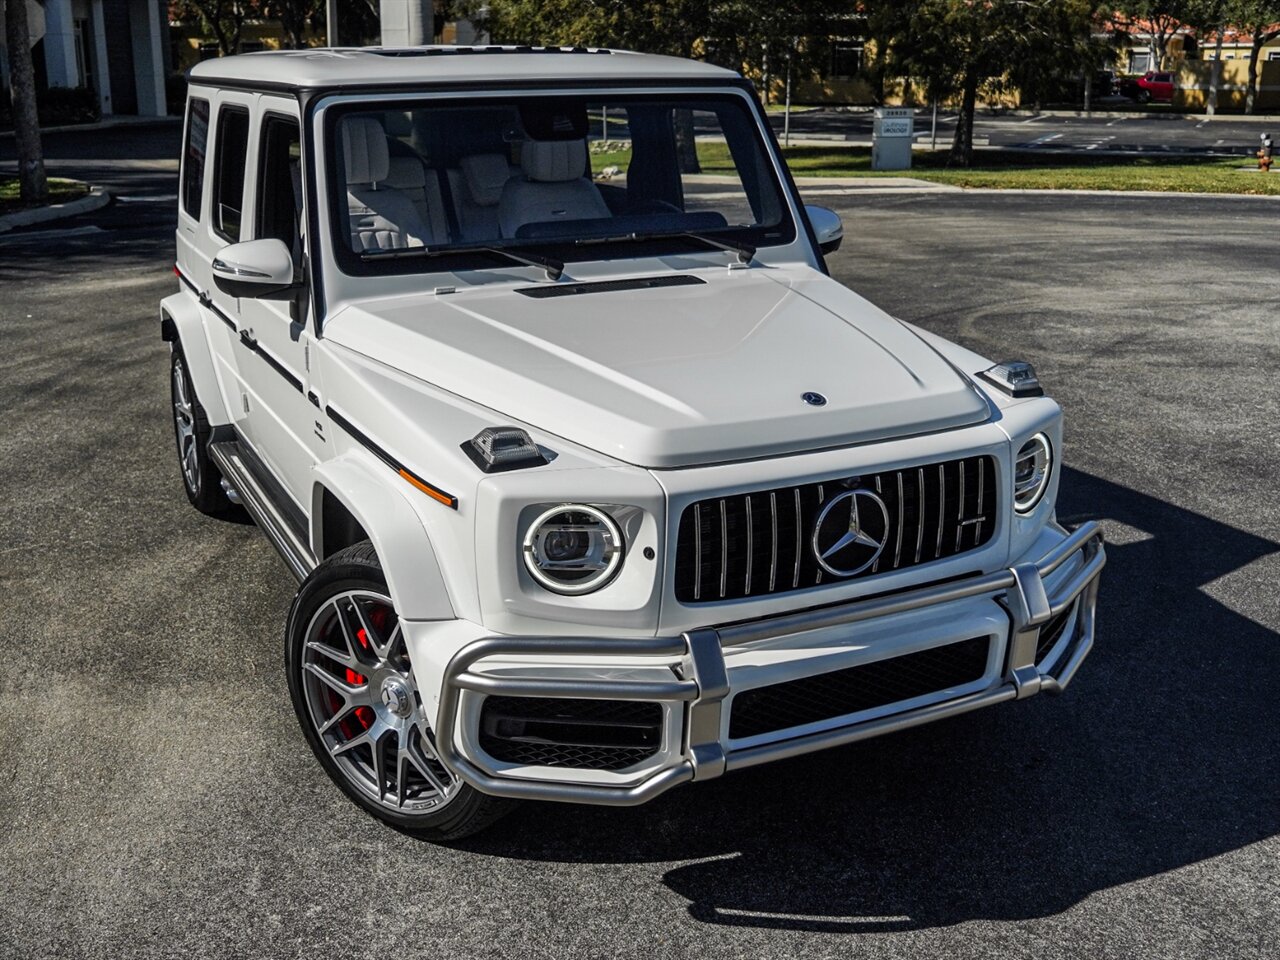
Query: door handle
[{"x": 247, "y": 338}]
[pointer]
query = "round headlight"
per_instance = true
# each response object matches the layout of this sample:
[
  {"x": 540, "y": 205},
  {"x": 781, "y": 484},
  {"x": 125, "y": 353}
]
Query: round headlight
[
  {"x": 573, "y": 549},
  {"x": 1031, "y": 471}
]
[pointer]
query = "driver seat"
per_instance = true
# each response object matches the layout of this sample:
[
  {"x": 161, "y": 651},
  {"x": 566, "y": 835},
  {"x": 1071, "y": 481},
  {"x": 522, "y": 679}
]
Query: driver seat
[{"x": 554, "y": 187}]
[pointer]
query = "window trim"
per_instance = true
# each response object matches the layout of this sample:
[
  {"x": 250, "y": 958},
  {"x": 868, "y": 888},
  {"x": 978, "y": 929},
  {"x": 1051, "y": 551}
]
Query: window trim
[{"x": 216, "y": 186}]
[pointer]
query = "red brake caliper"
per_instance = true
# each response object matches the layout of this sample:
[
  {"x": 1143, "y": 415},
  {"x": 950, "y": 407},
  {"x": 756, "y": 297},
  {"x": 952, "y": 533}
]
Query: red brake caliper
[{"x": 363, "y": 715}]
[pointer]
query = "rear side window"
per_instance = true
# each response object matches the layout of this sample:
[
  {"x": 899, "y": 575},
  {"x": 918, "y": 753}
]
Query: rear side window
[
  {"x": 193, "y": 152},
  {"x": 232, "y": 157}
]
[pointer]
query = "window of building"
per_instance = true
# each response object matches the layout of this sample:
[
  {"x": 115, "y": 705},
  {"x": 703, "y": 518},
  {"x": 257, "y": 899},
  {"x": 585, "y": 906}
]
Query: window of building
[
  {"x": 846, "y": 59},
  {"x": 229, "y": 169},
  {"x": 1273, "y": 55},
  {"x": 193, "y": 153},
  {"x": 1139, "y": 61}
]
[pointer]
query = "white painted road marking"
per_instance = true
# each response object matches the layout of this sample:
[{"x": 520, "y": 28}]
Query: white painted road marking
[{"x": 167, "y": 198}]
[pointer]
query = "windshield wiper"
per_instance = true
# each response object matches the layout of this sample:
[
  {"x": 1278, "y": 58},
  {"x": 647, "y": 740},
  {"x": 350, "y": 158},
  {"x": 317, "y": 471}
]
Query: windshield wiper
[
  {"x": 553, "y": 267},
  {"x": 744, "y": 251}
]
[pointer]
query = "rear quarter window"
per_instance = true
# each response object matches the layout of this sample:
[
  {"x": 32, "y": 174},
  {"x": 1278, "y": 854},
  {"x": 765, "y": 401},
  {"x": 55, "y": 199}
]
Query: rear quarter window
[{"x": 193, "y": 154}]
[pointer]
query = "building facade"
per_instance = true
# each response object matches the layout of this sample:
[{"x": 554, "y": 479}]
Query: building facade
[{"x": 116, "y": 49}]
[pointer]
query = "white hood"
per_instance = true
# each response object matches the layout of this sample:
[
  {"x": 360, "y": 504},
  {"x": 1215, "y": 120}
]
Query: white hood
[{"x": 676, "y": 376}]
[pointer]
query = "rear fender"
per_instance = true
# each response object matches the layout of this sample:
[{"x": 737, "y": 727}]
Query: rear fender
[{"x": 404, "y": 548}]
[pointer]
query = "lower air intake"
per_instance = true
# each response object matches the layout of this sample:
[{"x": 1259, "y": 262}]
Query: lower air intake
[
  {"x": 571, "y": 733},
  {"x": 865, "y": 687}
]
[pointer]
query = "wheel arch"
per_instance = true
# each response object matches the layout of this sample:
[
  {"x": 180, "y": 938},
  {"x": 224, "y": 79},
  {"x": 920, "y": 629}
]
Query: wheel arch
[
  {"x": 181, "y": 324},
  {"x": 346, "y": 499}
]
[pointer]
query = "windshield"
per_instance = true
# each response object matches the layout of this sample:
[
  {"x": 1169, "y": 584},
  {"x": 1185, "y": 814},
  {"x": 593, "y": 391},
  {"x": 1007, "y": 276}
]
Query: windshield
[{"x": 449, "y": 185}]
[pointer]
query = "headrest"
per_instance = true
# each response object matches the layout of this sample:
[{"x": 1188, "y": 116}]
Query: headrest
[
  {"x": 486, "y": 174},
  {"x": 364, "y": 146},
  {"x": 553, "y": 161},
  {"x": 399, "y": 123},
  {"x": 406, "y": 173}
]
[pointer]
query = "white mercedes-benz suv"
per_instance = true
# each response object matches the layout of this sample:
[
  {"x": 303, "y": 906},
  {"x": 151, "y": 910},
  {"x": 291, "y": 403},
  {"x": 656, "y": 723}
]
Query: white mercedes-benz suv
[{"x": 528, "y": 362}]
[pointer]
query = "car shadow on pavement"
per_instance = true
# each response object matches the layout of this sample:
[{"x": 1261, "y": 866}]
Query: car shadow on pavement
[{"x": 1163, "y": 753}]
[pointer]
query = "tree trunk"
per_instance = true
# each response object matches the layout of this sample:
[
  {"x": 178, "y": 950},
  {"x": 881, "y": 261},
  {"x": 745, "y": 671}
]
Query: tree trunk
[
  {"x": 1215, "y": 76},
  {"x": 686, "y": 147},
  {"x": 33, "y": 185},
  {"x": 1251, "y": 93},
  {"x": 962, "y": 145}
]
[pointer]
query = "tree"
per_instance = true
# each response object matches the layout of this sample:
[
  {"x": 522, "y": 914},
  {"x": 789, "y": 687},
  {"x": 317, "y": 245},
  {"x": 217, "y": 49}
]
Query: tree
[
  {"x": 33, "y": 184},
  {"x": 1160, "y": 20},
  {"x": 1260, "y": 19},
  {"x": 224, "y": 20},
  {"x": 957, "y": 46},
  {"x": 1211, "y": 16},
  {"x": 295, "y": 17}
]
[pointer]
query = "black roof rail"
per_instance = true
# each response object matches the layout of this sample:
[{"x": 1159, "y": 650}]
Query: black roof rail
[{"x": 460, "y": 51}]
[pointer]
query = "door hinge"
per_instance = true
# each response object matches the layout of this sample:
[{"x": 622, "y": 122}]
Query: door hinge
[
  {"x": 306, "y": 357},
  {"x": 245, "y": 398}
]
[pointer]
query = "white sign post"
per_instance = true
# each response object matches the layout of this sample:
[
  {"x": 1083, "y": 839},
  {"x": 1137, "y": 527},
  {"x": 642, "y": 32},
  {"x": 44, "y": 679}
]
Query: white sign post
[{"x": 891, "y": 138}]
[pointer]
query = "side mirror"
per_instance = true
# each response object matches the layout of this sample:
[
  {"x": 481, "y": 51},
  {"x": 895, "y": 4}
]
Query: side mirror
[
  {"x": 255, "y": 268},
  {"x": 827, "y": 227}
]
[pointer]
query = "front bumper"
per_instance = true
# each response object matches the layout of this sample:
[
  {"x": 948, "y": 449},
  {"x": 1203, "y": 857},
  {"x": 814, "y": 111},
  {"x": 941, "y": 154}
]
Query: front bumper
[{"x": 693, "y": 676}]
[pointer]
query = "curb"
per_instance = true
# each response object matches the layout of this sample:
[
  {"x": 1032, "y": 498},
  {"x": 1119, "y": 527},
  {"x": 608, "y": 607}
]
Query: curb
[
  {"x": 113, "y": 124},
  {"x": 96, "y": 200}
]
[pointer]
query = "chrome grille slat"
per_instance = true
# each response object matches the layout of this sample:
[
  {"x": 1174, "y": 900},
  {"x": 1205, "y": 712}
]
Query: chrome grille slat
[
  {"x": 697, "y": 563},
  {"x": 773, "y": 520},
  {"x": 795, "y": 579},
  {"x": 920, "y": 514},
  {"x": 724, "y": 551},
  {"x": 952, "y": 496}
]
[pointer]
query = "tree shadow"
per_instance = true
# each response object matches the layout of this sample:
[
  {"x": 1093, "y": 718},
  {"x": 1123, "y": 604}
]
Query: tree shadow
[{"x": 1160, "y": 755}]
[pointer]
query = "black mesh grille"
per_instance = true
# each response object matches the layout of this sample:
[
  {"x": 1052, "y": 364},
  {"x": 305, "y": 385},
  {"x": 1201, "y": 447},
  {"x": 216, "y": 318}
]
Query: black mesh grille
[
  {"x": 582, "y": 734},
  {"x": 750, "y": 545},
  {"x": 865, "y": 687},
  {"x": 1051, "y": 633}
]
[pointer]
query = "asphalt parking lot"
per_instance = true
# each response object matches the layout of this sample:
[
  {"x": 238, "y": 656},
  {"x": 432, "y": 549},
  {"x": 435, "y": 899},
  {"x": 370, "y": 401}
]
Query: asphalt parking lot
[{"x": 157, "y": 799}]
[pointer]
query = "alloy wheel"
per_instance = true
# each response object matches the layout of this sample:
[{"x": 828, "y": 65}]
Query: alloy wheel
[
  {"x": 184, "y": 419},
  {"x": 365, "y": 707}
]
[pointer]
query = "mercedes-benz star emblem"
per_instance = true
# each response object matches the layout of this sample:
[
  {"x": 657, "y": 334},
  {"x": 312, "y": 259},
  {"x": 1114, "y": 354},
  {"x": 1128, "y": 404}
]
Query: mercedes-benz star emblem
[
  {"x": 850, "y": 532},
  {"x": 814, "y": 399}
]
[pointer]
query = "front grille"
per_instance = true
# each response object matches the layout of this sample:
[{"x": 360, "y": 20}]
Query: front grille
[
  {"x": 560, "y": 732},
  {"x": 758, "y": 544},
  {"x": 843, "y": 692}
]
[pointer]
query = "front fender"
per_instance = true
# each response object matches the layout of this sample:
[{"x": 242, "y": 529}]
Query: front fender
[
  {"x": 403, "y": 545},
  {"x": 181, "y": 322}
]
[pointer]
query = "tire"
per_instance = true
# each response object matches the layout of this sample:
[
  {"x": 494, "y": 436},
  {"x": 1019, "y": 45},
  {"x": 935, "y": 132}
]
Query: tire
[
  {"x": 357, "y": 703},
  {"x": 1144, "y": 96},
  {"x": 200, "y": 477}
]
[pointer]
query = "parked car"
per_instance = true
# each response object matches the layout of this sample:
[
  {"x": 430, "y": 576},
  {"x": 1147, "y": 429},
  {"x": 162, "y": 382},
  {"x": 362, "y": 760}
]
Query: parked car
[
  {"x": 593, "y": 488},
  {"x": 1152, "y": 86}
]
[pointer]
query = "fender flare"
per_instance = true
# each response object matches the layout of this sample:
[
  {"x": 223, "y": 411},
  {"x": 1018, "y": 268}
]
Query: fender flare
[
  {"x": 181, "y": 322},
  {"x": 398, "y": 535}
]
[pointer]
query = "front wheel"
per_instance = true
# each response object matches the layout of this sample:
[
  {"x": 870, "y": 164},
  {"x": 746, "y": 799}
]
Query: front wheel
[
  {"x": 1144, "y": 96},
  {"x": 353, "y": 690}
]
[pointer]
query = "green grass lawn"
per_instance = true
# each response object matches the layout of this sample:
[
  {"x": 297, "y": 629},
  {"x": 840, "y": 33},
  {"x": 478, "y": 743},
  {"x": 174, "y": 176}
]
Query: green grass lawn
[
  {"x": 60, "y": 191},
  {"x": 999, "y": 169}
]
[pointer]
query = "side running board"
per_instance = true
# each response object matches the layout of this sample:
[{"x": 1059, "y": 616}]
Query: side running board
[{"x": 267, "y": 511}]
